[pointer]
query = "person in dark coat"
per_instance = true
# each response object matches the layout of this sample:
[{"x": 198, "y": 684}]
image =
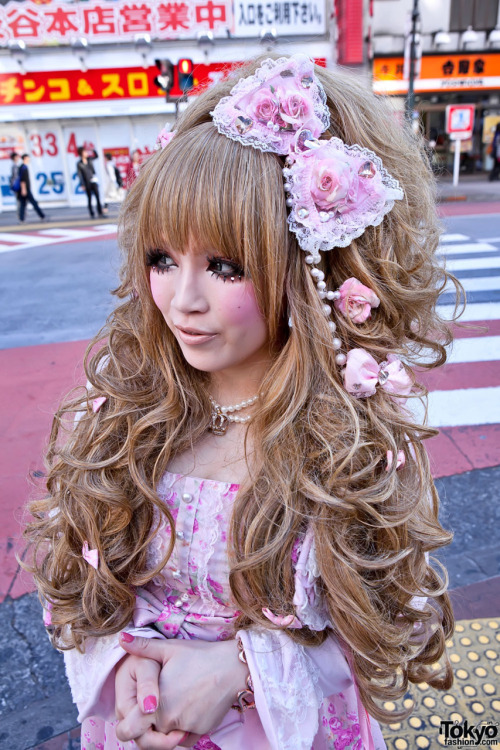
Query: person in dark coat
[
  {"x": 14, "y": 174},
  {"x": 25, "y": 194},
  {"x": 88, "y": 178}
]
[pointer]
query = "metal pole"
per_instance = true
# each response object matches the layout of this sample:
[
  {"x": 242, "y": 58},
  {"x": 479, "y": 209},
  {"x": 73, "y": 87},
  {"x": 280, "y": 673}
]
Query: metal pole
[
  {"x": 456, "y": 163},
  {"x": 410, "y": 99}
]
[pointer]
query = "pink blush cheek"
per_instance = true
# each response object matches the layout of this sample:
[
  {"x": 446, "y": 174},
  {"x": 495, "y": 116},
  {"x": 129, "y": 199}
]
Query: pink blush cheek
[
  {"x": 159, "y": 292},
  {"x": 239, "y": 306}
]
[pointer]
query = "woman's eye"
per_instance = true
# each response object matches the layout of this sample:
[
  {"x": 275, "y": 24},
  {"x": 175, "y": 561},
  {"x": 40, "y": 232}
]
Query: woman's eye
[
  {"x": 224, "y": 269},
  {"x": 160, "y": 262}
]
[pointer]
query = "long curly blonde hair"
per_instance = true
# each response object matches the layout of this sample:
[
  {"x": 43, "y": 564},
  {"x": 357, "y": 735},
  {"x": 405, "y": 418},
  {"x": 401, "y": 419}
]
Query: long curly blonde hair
[{"x": 320, "y": 453}]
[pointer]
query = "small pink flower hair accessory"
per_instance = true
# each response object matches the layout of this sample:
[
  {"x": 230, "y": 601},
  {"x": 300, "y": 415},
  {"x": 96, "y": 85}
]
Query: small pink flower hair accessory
[
  {"x": 362, "y": 375},
  {"x": 165, "y": 136},
  {"x": 356, "y": 301}
]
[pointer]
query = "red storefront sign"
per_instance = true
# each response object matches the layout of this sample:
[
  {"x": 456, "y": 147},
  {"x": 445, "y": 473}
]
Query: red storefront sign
[
  {"x": 101, "y": 84},
  {"x": 103, "y": 21}
]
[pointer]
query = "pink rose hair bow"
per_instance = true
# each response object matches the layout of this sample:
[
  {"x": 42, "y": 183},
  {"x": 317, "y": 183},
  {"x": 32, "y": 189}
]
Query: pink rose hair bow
[
  {"x": 362, "y": 375},
  {"x": 90, "y": 555}
]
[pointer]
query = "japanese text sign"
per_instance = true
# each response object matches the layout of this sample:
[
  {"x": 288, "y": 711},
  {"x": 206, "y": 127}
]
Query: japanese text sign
[
  {"x": 454, "y": 72},
  {"x": 38, "y": 24}
]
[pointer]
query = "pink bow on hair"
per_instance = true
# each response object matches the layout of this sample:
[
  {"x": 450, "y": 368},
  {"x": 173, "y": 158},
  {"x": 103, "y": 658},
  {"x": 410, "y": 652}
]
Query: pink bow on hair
[
  {"x": 362, "y": 374},
  {"x": 400, "y": 460},
  {"x": 284, "y": 621},
  {"x": 90, "y": 555},
  {"x": 97, "y": 403}
]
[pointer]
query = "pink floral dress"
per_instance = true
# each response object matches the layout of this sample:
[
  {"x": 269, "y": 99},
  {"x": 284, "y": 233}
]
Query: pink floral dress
[{"x": 306, "y": 698}]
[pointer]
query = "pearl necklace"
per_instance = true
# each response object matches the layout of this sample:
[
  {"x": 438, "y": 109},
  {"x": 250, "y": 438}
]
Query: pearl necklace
[{"x": 222, "y": 415}]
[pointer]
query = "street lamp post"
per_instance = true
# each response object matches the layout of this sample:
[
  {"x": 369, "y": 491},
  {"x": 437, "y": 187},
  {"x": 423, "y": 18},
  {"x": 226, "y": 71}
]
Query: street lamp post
[{"x": 410, "y": 98}]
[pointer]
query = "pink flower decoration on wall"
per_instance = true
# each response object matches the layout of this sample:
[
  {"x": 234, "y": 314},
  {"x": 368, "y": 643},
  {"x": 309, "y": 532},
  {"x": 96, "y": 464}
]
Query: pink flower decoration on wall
[{"x": 356, "y": 300}]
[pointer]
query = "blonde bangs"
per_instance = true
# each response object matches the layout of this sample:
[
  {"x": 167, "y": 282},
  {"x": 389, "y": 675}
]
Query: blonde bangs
[{"x": 206, "y": 188}]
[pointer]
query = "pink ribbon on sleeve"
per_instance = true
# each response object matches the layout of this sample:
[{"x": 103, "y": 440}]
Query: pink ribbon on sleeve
[
  {"x": 362, "y": 374},
  {"x": 90, "y": 555}
]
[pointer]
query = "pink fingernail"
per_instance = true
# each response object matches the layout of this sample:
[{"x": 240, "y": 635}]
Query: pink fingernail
[
  {"x": 150, "y": 704},
  {"x": 126, "y": 637}
]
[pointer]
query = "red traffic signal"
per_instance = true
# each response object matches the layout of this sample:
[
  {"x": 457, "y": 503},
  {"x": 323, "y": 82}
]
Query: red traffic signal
[
  {"x": 165, "y": 78},
  {"x": 185, "y": 74}
]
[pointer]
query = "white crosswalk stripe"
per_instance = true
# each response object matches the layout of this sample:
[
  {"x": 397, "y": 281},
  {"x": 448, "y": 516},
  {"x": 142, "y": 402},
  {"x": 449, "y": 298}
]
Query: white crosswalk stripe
[{"x": 11, "y": 241}]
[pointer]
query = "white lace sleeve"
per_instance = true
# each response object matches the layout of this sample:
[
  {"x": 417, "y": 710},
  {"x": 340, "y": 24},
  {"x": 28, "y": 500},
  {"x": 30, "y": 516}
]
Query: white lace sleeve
[
  {"x": 91, "y": 675},
  {"x": 290, "y": 682}
]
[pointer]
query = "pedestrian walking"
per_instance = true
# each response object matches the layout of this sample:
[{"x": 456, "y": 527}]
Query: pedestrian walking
[
  {"x": 113, "y": 192},
  {"x": 14, "y": 182},
  {"x": 133, "y": 168},
  {"x": 88, "y": 178},
  {"x": 25, "y": 194},
  {"x": 495, "y": 153},
  {"x": 244, "y": 494}
]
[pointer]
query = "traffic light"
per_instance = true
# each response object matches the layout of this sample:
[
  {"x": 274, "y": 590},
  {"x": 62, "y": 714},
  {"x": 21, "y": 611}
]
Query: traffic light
[
  {"x": 165, "y": 78},
  {"x": 185, "y": 74}
]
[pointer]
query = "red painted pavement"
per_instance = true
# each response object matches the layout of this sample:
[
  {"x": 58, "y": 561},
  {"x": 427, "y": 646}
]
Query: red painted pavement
[
  {"x": 466, "y": 208},
  {"x": 32, "y": 381}
]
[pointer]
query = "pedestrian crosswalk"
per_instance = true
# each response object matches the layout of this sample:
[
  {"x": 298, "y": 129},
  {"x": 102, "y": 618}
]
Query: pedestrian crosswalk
[
  {"x": 464, "y": 395},
  {"x": 11, "y": 241}
]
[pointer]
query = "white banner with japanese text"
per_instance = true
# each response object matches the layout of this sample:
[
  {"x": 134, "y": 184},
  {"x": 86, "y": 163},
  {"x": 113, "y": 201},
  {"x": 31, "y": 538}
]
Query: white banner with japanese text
[{"x": 100, "y": 21}]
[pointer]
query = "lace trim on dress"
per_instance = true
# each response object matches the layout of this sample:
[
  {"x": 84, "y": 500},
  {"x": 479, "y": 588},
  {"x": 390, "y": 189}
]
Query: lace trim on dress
[
  {"x": 209, "y": 515},
  {"x": 85, "y": 671},
  {"x": 290, "y": 682}
]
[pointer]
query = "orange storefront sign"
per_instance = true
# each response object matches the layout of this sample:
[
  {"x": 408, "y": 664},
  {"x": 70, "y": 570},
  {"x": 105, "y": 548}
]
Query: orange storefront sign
[{"x": 457, "y": 72}]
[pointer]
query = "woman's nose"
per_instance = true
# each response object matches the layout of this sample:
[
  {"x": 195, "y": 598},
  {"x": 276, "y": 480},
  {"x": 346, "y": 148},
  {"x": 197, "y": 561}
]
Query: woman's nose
[{"x": 189, "y": 293}]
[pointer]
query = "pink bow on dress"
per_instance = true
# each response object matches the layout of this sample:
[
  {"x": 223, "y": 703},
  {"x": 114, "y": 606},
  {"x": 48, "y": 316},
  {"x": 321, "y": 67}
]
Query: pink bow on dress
[
  {"x": 90, "y": 555},
  {"x": 362, "y": 374}
]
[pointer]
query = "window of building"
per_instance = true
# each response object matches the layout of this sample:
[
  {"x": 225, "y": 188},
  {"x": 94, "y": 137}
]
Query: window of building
[{"x": 480, "y": 14}]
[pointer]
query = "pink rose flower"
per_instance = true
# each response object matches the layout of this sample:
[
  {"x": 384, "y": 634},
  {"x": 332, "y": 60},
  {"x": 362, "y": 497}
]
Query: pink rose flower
[
  {"x": 356, "y": 301},
  {"x": 295, "y": 110},
  {"x": 264, "y": 106},
  {"x": 331, "y": 183}
]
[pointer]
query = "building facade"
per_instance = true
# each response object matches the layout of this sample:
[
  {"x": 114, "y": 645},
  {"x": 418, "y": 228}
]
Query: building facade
[
  {"x": 459, "y": 49},
  {"x": 83, "y": 73}
]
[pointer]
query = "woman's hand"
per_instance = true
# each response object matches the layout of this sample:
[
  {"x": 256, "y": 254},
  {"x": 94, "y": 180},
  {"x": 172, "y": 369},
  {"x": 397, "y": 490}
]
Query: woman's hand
[{"x": 198, "y": 683}]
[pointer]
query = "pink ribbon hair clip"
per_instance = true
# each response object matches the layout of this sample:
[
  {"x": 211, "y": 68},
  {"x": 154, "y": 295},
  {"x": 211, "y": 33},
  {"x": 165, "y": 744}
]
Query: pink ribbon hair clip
[{"x": 90, "y": 555}]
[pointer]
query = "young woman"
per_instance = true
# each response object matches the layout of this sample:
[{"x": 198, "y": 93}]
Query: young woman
[{"x": 245, "y": 493}]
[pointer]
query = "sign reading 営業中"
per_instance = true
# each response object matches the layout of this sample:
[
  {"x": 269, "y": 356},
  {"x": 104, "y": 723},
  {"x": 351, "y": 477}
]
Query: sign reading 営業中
[{"x": 101, "y": 21}]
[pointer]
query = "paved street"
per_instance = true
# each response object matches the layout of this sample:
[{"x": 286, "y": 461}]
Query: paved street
[{"x": 54, "y": 294}]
